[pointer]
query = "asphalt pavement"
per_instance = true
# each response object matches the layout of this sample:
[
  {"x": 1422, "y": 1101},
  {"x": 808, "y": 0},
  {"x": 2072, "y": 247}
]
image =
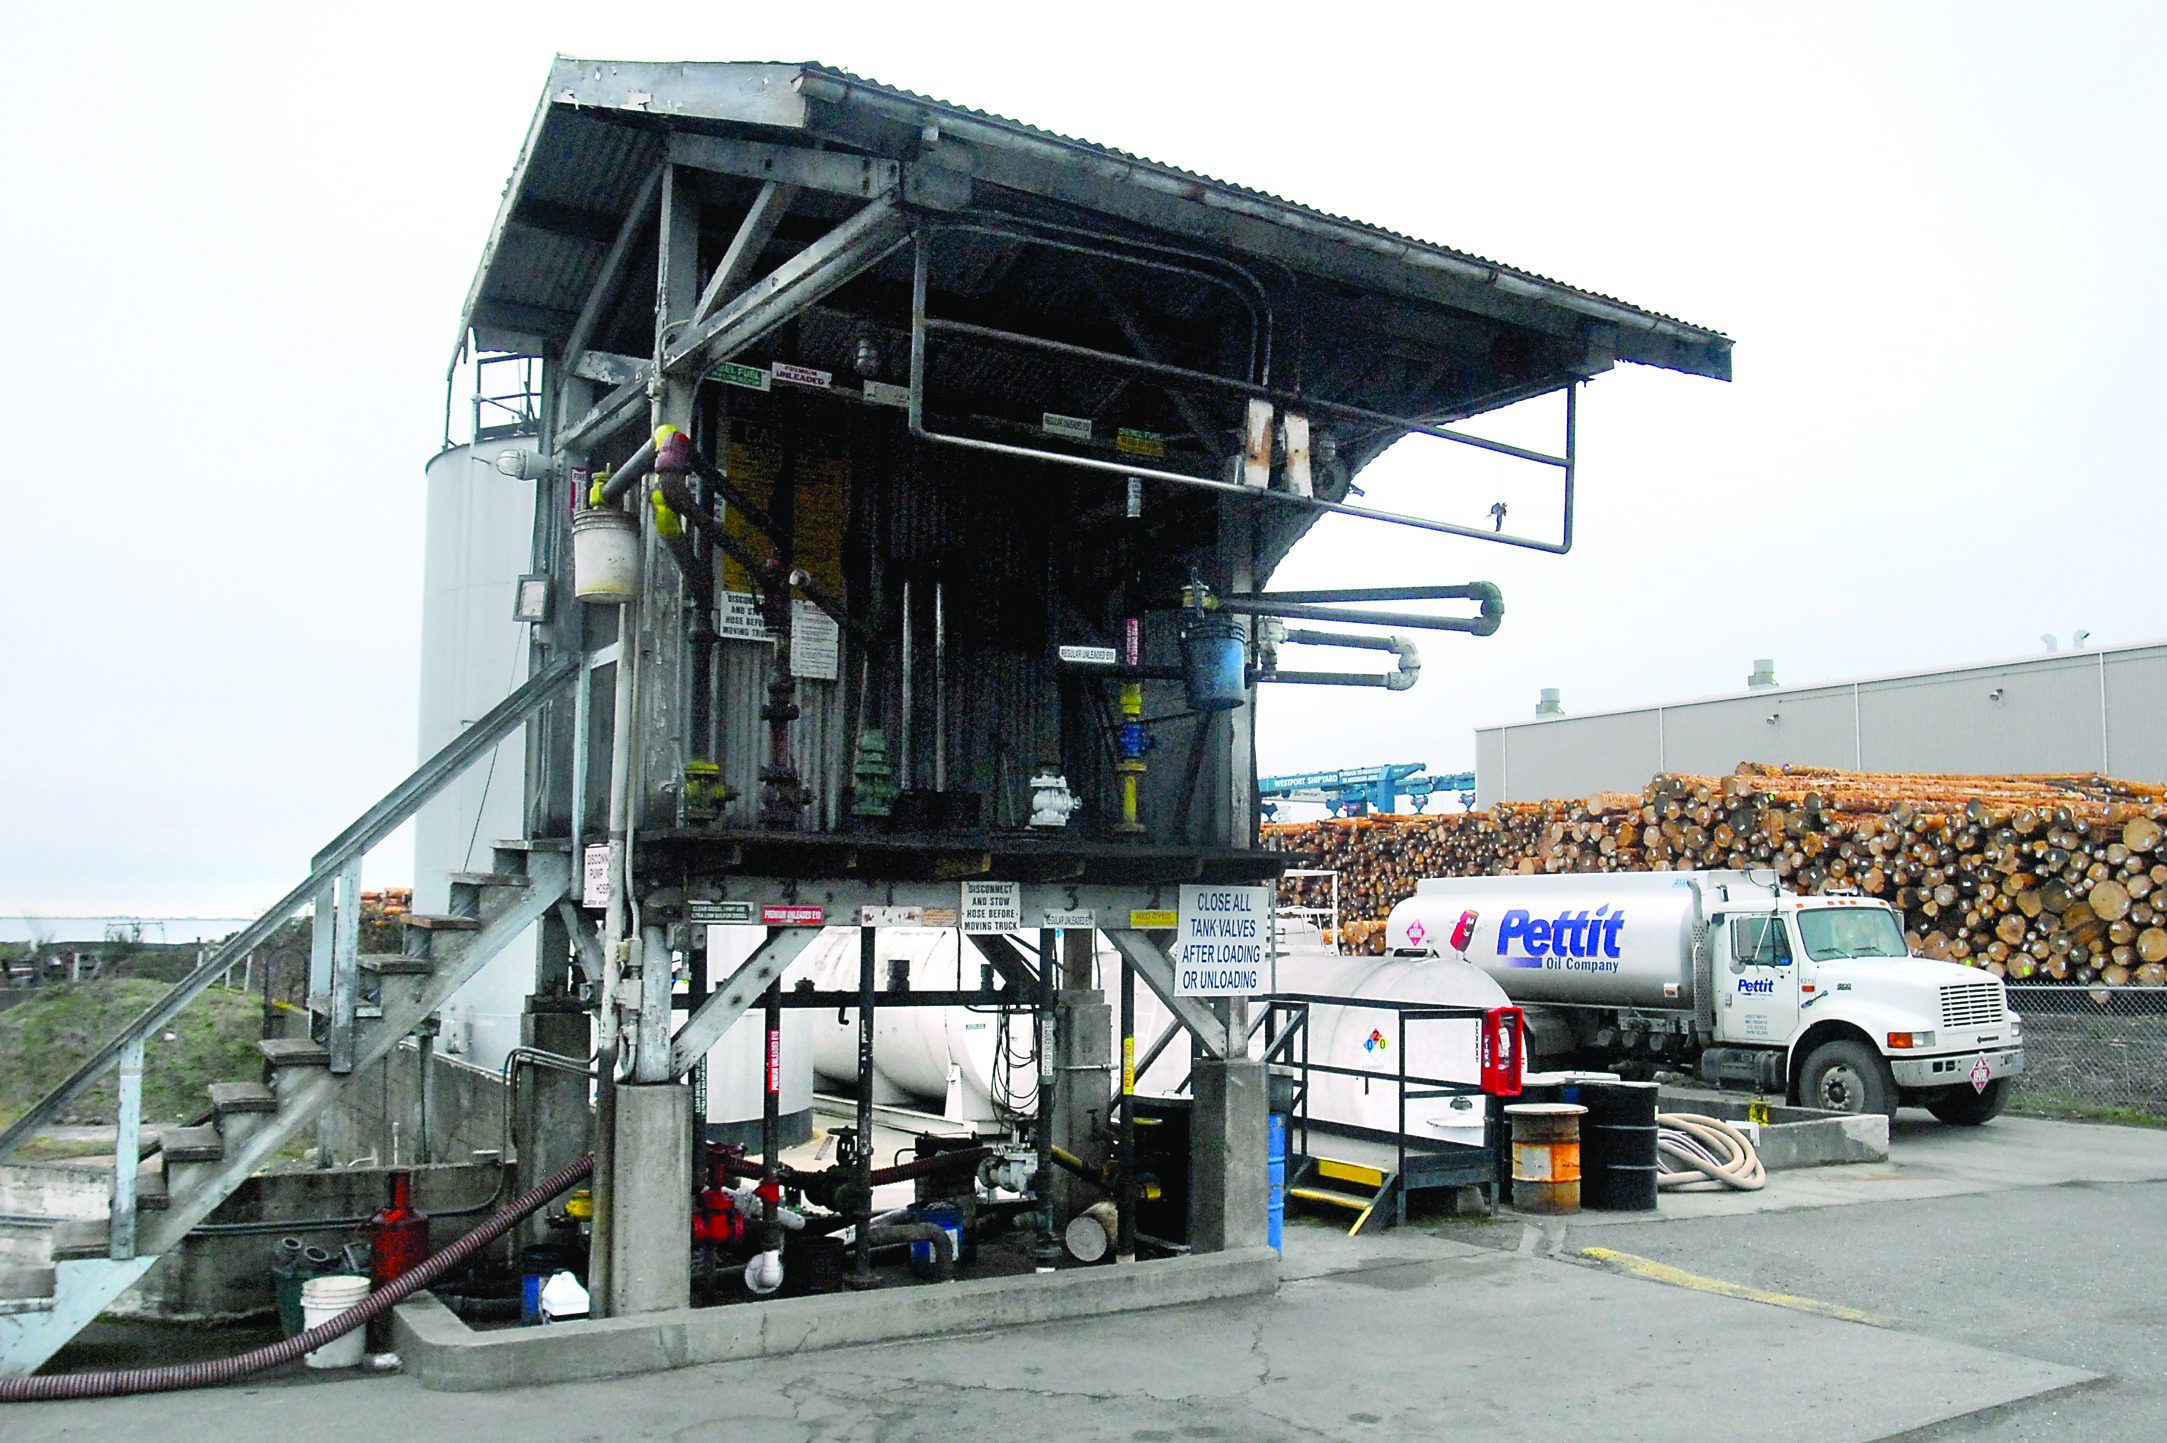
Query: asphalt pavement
[{"x": 1995, "y": 1284}]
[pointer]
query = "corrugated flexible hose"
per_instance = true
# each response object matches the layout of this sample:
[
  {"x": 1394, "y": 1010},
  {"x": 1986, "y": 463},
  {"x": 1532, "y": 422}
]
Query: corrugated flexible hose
[
  {"x": 123, "y": 1381},
  {"x": 1704, "y": 1154}
]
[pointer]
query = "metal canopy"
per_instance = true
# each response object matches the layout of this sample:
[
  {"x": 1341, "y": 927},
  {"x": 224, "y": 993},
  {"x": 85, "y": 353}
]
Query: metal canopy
[{"x": 1459, "y": 333}]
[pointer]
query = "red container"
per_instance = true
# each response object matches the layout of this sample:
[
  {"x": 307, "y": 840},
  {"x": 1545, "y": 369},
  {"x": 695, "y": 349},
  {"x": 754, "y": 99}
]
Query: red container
[{"x": 398, "y": 1234}]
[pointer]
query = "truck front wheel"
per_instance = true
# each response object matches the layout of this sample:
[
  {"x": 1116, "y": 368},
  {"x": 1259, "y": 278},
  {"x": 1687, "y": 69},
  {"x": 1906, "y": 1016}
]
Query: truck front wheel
[
  {"x": 1847, "y": 1076},
  {"x": 1967, "y": 1107}
]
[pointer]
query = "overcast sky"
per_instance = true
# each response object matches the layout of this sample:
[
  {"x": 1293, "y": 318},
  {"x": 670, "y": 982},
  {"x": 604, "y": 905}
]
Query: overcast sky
[{"x": 237, "y": 240}]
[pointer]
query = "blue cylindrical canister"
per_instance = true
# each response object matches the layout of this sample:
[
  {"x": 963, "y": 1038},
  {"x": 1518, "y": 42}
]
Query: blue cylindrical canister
[
  {"x": 1215, "y": 658},
  {"x": 949, "y": 1219}
]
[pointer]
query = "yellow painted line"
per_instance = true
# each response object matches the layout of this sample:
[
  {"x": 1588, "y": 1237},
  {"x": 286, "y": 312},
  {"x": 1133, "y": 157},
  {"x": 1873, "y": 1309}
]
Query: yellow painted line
[{"x": 1656, "y": 1272}]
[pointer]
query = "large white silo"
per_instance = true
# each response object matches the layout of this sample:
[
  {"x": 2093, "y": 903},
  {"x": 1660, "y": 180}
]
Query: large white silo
[{"x": 473, "y": 655}]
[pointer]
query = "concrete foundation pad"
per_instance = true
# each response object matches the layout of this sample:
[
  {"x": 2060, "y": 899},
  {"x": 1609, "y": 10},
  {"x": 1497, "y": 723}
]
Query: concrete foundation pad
[
  {"x": 1793, "y": 1137},
  {"x": 448, "y": 1356}
]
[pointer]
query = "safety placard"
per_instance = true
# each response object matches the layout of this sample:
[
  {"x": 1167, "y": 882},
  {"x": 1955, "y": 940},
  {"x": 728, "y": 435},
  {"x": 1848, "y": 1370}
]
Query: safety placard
[
  {"x": 794, "y": 916},
  {"x": 594, "y": 880},
  {"x": 992, "y": 906},
  {"x": 1073, "y": 428},
  {"x": 1219, "y": 948},
  {"x": 730, "y": 373},
  {"x": 802, "y": 375},
  {"x": 718, "y": 913},
  {"x": 1068, "y": 917}
]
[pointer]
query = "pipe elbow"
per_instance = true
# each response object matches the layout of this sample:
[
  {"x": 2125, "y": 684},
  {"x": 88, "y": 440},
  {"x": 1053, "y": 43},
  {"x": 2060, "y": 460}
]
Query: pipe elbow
[
  {"x": 1409, "y": 670},
  {"x": 763, "y": 1273},
  {"x": 1493, "y": 608}
]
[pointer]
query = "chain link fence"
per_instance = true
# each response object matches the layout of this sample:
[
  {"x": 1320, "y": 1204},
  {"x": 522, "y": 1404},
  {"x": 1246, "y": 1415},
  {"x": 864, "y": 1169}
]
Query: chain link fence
[{"x": 2092, "y": 1051}]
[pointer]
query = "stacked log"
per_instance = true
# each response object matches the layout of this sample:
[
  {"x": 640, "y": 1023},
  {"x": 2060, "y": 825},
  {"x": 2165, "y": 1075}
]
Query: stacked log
[{"x": 2029, "y": 877}]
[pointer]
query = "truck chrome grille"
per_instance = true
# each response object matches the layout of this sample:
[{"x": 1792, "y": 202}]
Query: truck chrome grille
[{"x": 1971, "y": 1004}]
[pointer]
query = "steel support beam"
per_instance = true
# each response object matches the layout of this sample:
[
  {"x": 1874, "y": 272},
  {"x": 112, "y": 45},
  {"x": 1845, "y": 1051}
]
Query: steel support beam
[
  {"x": 838, "y": 257},
  {"x": 794, "y": 166},
  {"x": 1157, "y": 971},
  {"x": 610, "y": 273},
  {"x": 726, "y": 1003},
  {"x": 768, "y": 209}
]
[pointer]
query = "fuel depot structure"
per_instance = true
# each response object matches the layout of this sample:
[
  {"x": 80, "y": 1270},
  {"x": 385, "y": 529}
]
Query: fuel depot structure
[{"x": 906, "y": 483}]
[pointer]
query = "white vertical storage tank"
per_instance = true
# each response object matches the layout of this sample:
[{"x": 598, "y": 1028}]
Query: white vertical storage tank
[
  {"x": 736, "y": 1066},
  {"x": 479, "y": 541}
]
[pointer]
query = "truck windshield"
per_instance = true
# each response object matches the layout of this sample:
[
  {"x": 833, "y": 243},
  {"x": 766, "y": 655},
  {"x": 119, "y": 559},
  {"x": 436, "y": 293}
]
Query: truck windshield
[{"x": 1830, "y": 933}]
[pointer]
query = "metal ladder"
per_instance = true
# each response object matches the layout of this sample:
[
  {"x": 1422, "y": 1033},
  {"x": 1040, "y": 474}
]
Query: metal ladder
[{"x": 370, "y": 1002}]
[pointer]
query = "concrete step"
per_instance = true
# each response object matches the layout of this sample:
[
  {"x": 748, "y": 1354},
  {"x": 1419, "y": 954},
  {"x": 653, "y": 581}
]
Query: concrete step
[
  {"x": 79, "y": 1239},
  {"x": 396, "y": 964},
  {"x": 24, "y": 1285},
  {"x": 150, "y": 1187},
  {"x": 232, "y": 1097},
  {"x": 193, "y": 1144},
  {"x": 293, "y": 1052}
]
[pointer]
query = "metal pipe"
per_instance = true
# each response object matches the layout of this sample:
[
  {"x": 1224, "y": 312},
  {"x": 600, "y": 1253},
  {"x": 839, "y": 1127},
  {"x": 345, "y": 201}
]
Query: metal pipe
[
  {"x": 1294, "y": 400},
  {"x": 1493, "y": 615},
  {"x": 1404, "y": 676},
  {"x": 940, "y": 692},
  {"x": 1466, "y": 591},
  {"x": 867, "y": 947},
  {"x": 1125, "y": 1245},
  {"x": 771, "y": 1117},
  {"x": 906, "y": 773},
  {"x": 1047, "y": 1251},
  {"x": 614, "y": 944},
  {"x": 638, "y": 464}
]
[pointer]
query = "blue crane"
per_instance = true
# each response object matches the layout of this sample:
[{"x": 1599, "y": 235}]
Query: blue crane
[{"x": 1359, "y": 791}]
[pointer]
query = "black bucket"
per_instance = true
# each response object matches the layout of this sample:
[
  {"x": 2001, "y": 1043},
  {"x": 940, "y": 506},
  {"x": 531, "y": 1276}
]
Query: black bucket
[{"x": 1617, "y": 1146}]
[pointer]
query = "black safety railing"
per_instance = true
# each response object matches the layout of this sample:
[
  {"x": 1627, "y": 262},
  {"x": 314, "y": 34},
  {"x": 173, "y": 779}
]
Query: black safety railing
[{"x": 1287, "y": 1039}]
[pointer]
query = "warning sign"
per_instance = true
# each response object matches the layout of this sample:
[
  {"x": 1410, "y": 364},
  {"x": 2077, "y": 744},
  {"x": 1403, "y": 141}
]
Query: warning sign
[
  {"x": 992, "y": 906},
  {"x": 1220, "y": 946},
  {"x": 1981, "y": 1074}
]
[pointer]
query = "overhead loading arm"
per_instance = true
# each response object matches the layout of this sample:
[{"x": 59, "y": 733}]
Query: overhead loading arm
[{"x": 1401, "y": 678}]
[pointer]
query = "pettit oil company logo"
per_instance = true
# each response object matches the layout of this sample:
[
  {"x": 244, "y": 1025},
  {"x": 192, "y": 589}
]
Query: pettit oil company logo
[
  {"x": 1749, "y": 986},
  {"x": 1572, "y": 941}
]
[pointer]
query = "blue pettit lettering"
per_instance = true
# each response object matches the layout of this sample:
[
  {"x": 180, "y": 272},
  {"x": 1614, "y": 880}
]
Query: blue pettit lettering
[
  {"x": 1582, "y": 941},
  {"x": 1750, "y": 986}
]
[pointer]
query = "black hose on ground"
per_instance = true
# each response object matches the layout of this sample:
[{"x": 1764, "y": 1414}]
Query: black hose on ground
[{"x": 121, "y": 1382}]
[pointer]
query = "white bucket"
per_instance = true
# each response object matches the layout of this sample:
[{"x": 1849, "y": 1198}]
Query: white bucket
[
  {"x": 605, "y": 555},
  {"x": 323, "y": 1299}
]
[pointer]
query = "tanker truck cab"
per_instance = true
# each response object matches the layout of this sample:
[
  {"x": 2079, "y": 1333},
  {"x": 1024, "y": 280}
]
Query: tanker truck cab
[{"x": 1726, "y": 976}]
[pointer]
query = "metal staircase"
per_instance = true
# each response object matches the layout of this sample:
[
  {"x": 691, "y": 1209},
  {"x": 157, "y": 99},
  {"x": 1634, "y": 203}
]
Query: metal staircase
[{"x": 163, "y": 1189}]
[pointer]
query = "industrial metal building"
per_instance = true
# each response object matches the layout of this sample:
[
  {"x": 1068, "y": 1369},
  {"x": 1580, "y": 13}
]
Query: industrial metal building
[{"x": 2073, "y": 711}]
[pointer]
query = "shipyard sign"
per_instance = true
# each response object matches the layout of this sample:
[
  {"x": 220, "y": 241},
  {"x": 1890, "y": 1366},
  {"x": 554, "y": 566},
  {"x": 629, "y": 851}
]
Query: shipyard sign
[{"x": 1223, "y": 945}]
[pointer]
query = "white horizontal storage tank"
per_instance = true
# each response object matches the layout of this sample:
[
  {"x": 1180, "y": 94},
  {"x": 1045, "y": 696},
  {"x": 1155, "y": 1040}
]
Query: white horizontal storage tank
[
  {"x": 966, "y": 1063},
  {"x": 736, "y": 1066},
  {"x": 473, "y": 655}
]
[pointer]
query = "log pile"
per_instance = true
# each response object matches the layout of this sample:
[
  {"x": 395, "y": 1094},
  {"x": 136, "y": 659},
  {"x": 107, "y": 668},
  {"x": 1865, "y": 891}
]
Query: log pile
[{"x": 2029, "y": 877}]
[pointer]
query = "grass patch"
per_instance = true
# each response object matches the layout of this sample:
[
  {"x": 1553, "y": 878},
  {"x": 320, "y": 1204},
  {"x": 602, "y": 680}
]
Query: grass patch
[{"x": 43, "y": 1040}]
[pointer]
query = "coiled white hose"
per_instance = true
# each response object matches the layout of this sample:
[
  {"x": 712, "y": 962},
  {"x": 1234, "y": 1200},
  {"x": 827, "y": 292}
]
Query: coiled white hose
[{"x": 1704, "y": 1154}]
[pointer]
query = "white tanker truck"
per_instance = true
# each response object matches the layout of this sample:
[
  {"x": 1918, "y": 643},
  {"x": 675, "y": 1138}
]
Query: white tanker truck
[{"x": 1726, "y": 974}]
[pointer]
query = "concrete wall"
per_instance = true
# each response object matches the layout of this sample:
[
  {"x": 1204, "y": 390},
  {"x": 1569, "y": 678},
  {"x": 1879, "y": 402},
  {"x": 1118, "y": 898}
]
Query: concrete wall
[
  {"x": 466, "y": 1111},
  {"x": 2079, "y": 711}
]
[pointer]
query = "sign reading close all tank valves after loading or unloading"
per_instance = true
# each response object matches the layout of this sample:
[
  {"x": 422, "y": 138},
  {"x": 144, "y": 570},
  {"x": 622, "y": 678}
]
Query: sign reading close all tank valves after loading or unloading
[{"x": 1223, "y": 941}]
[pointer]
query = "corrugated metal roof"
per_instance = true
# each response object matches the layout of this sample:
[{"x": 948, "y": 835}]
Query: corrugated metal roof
[{"x": 1129, "y": 158}]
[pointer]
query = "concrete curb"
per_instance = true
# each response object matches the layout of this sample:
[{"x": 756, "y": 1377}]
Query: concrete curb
[
  {"x": 448, "y": 1356},
  {"x": 1793, "y": 1137}
]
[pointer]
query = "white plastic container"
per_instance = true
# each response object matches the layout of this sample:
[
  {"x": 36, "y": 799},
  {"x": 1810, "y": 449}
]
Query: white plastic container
[
  {"x": 605, "y": 555},
  {"x": 323, "y": 1299}
]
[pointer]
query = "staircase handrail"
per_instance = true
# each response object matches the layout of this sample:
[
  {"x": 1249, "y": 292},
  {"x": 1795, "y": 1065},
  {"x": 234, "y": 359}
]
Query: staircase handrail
[{"x": 377, "y": 823}]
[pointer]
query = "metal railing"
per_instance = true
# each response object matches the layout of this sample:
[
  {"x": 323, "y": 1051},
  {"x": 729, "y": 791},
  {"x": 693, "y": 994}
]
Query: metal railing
[
  {"x": 1287, "y": 1017},
  {"x": 337, "y": 868},
  {"x": 2091, "y": 1051}
]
